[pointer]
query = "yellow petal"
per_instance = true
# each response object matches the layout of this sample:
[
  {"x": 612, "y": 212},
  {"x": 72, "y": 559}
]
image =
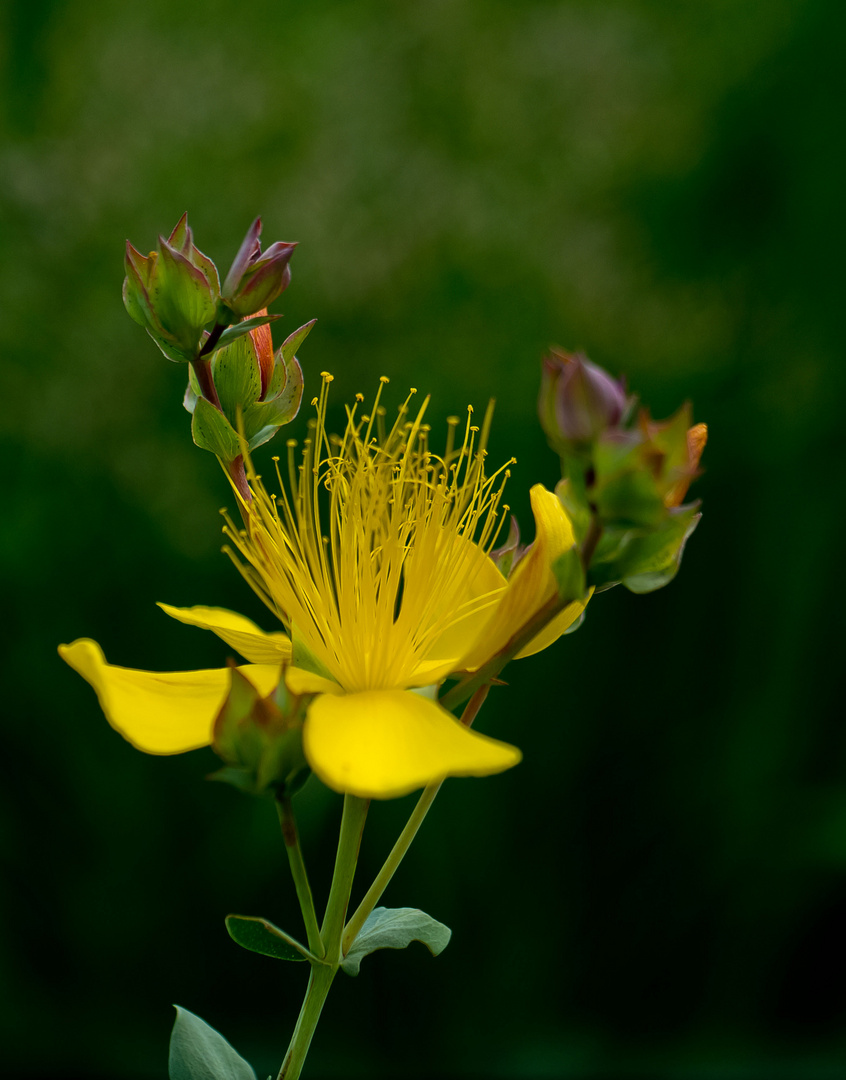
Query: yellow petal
[
  {"x": 380, "y": 744},
  {"x": 160, "y": 712},
  {"x": 532, "y": 584},
  {"x": 236, "y": 630},
  {"x": 553, "y": 630},
  {"x": 471, "y": 602}
]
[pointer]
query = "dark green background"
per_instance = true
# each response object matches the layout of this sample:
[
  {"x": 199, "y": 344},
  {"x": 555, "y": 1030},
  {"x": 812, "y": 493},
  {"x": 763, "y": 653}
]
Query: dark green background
[{"x": 660, "y": 888}]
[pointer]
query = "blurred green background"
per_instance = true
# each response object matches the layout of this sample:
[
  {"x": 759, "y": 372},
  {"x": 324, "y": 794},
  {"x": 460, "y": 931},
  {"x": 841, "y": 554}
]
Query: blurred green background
[{"x": 660, "y": 888}]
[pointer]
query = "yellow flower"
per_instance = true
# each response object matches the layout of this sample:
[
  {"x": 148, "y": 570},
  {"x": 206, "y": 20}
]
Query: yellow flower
[{"x": 374, "y": 557}]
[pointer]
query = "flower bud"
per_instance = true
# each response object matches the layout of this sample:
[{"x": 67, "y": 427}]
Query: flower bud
[
  {"x": 260, "y": 742},
  {"x": 255, "y": 279},
  {"x": 173, "y": 293},
  {"x": 578, "y": 400}
]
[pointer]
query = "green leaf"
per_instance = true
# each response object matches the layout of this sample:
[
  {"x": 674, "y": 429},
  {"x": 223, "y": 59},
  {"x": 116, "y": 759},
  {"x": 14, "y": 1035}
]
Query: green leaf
[
  {"x": 260, "y": 936},
  {"x": 572, "y": 494},
  {"x": 263, "y": 420},
  {"x": 291, "y": 343},
  {"x": 570, "y": 574},
  {"x": 663, "y": 566},
  {"x": 631, "y": 499},
  {"x": 212, "y": 431},
  {"x": 241, "y": 328},
  {"x": 198, "y": 1052},
  {"x": 237, "y": 378},
  {"x": 395, "y": 928},
  {"x": 192, "y": 390}
]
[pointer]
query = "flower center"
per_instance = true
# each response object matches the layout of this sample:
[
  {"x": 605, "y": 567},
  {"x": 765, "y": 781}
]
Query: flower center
[{"x": 365, "y": 553}]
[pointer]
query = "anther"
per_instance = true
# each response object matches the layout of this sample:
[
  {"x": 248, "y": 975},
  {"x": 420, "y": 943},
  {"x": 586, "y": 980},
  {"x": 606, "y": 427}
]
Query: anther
[
  {"x": 359, "y": 398},
  {"x": 383, "y": 379}
]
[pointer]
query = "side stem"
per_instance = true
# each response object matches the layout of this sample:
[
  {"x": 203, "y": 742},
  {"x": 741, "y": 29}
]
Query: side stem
[
  {"x": 544, "y": 615},
  {"x": 291, "y": 837}
]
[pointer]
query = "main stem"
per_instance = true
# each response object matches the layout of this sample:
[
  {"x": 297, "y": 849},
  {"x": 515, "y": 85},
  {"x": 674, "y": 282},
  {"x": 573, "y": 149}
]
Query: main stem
[{"x": 331, "y": 932}]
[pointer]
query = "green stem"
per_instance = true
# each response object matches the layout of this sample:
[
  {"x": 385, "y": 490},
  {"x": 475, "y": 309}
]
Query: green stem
[
  {"x": 374, "y": 893},
  {"x": 202, "y": 369},
  {"x": 322, "y": 974},
  {"x": 349, "y": 841},
  {"x": 319, "y": 983},
  {"x": 489, "y": 670},
  {"x": 291, "y": 837}
]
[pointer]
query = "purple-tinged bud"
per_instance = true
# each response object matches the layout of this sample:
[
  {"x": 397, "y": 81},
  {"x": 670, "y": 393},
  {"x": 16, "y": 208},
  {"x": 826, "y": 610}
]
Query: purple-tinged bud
[
  {"x": 578, "y": 400},
  {"x": 256, "y": 279}
]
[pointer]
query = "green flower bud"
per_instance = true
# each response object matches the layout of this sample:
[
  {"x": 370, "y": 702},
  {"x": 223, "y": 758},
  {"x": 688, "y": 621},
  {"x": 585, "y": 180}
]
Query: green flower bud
[
  {"x": 255, "y": 280},
  {"x": 260, "y": 742},
  {"x": 173, "y": 293}
]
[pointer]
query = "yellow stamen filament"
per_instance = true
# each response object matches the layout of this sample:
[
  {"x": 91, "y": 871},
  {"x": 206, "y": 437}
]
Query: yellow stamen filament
[{"x": 364, "y": 554}]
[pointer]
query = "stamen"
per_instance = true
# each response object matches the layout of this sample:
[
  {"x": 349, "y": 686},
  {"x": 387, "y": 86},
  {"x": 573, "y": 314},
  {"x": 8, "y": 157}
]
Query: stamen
[{"x": 364, "y": 551}]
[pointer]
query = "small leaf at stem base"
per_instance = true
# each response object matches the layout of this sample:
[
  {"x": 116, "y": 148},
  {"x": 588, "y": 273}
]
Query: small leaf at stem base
[
  {"x": 395, "y": 928},
  {"x": 260, "y": 936},
  {"x": 198, "y": 1052}
]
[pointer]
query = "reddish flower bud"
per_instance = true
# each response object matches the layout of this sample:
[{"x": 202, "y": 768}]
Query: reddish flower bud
[
  {"x": 256, "y": 279},
  {"x": 578, "y": 400}
]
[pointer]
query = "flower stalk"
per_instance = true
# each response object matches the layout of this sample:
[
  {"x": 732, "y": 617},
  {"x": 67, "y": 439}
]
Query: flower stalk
[
  {"x": 398, "y": 851},
  {"x": 291, "y": 837}
]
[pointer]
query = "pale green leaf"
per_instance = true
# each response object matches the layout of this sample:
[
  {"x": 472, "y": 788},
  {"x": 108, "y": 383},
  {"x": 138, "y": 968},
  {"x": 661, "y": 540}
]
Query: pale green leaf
[
  {"x": 395, "y": 928},
  {"x": 198, "y": 1052},
  {"x": 212, "y": 431},
  {"x": 241, "y": 328},
  {"x": 291, "y": 343}
]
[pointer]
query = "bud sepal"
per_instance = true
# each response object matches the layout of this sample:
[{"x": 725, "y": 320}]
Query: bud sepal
[
  {"x": 260, "y": 742},
  {"x": 254, "y": 279}
]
